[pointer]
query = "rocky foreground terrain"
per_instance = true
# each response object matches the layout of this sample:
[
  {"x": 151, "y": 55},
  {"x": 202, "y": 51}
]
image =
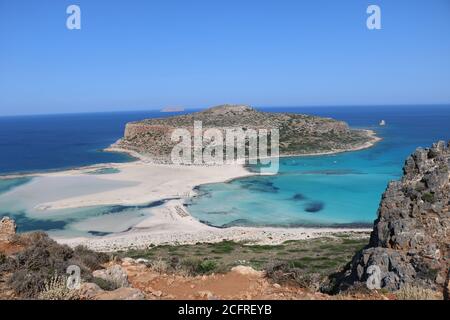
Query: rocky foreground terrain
[
  {"x": 299, "y": 134},
  {"x": 410, "y": 242}
]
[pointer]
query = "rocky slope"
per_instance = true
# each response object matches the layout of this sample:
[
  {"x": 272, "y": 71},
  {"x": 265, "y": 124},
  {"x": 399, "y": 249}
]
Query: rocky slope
[
  {"x": 32, "y": 266},
  {"x": 410, "y": 242},
  {"x": 299, "y": 134}
]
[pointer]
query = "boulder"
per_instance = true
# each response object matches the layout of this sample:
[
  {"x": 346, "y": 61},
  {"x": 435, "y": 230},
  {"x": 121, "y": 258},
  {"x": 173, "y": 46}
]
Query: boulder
[
  {"x": 89, "y": 290},
  {"x": 7, "y": 229},
  {"x": 247, "y": 271},
  {"x": 410, "y": 241},
  {"x": 114, "y": 274}
]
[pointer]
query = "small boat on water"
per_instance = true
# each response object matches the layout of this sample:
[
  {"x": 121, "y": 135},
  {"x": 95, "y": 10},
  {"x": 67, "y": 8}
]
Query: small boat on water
[{"x": 382, "y": 123}]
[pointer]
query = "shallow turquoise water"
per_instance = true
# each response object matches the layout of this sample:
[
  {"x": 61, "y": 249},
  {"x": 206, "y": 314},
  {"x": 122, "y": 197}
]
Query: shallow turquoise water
[
  {"x": 343, "y": 189},
  {"x": 21, "y": 198}
]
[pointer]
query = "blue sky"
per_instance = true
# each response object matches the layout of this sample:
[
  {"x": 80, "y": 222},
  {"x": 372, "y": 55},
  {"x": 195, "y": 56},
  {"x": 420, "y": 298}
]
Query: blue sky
[{"x": 132, "y": 55}]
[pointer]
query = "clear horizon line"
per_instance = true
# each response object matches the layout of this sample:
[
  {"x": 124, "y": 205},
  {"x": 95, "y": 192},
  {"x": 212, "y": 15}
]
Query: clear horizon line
[{"x": 202, "y": 108}]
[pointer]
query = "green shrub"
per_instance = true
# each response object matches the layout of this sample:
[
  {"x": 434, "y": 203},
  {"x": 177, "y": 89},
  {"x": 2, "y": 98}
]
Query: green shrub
[
  {"x": 223, "y": 247},
  {"x": 105, "y": 284},
  {"x": 428, "y": 197},
  {"x": 197, "y": 266},
  {"x": 207, "y": 266}
]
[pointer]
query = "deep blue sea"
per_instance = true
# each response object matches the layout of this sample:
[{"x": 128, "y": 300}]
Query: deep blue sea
[
  {"x": 342, "y": 189},
  {"x": 47, "y": 142}
]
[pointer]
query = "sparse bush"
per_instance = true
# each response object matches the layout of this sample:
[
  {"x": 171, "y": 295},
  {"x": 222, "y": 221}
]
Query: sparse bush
[
  {"x": 159, "y": 265},
  {"x": 174, "y": 262},
  {"x": 223, "y": 247},
  {"x": 358, "y": 288},
  {"x": 207, "y": 266},
  {"x": 105, "y": 284},
  {"x": 282, "y": 272},
  {"x": 196, "y": 266},
  {"x": 92, "y": 260},
  {"x": 44, "y": 258},
  {"x": 311, "y": 281},
  {"x": 410, "y": 292},
  {"x": 428, "y": 197},
  {"x": 56, "y": 289}
]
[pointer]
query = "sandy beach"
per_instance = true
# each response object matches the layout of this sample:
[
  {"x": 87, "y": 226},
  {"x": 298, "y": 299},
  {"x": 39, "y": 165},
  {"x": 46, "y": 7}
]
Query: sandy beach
[
  {"x": 172, "y": 224},
  {"x": 139, "y": 183},
  {"x": 147, "y": 182},
  {"x": 142, "y": 182}
]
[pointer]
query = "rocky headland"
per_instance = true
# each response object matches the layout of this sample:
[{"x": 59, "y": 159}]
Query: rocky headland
[
  {"x": 299, "y": 134},
  {"x": 410, "y": 242}
]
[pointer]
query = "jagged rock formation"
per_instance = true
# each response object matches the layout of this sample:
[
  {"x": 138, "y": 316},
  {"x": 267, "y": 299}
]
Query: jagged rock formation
[
  {"x": 410, "y": 242},
  {"x": 7, "y": 229},
  {"x": 299, "y": 134}
]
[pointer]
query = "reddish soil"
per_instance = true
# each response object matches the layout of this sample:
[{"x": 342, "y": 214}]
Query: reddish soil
[
  {"x": 9, "y": 248},
  {"x": 232, "y": 285}
]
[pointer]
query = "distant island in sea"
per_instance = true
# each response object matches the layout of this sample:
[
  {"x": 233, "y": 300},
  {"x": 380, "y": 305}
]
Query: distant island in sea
[{"x": 172, "y": 109}]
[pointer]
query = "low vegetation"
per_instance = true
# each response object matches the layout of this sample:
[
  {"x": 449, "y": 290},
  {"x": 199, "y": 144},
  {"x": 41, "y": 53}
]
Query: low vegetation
[
  {"x": 304, "y": 262},
  {"x": 41, "y": 267},
  {"x": 410, "y": 292},
  {"x": 56, "y": 289}
]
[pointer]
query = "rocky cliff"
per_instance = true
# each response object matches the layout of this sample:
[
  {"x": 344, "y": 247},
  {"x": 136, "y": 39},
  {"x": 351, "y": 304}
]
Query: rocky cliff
[
  {"x": 299, "y": 134},
  {"x": 410, "y": 242}
]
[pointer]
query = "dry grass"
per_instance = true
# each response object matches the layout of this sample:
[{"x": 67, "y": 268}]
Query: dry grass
[
  {"x": 56, "y": 289},
  {"x": 409, "y": 292},
  {"x": 159, "y": 265}
]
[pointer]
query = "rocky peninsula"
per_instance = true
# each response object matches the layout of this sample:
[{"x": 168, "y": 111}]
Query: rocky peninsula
[{"x": 299, "y": 134}]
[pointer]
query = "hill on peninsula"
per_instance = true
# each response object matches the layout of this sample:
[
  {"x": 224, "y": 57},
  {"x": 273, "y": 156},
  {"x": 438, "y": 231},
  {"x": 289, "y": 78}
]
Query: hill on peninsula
[{"x": 298, "y": 134}]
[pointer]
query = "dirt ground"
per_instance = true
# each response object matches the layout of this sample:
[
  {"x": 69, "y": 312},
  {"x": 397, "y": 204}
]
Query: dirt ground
[{"x": 240, "y": 283}]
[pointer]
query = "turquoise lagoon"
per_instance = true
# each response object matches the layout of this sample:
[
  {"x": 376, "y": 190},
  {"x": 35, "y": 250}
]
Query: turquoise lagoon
[{"x": 332, "y": 190}]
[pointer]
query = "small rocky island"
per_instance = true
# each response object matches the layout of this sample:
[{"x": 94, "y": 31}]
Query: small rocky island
[{"x": 299, "y": 134}]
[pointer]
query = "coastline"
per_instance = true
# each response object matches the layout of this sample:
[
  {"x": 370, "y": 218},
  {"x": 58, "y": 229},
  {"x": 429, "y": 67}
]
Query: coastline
[
  {"x": 169, "y": 223},
  {"x": 374, "y": 139}
]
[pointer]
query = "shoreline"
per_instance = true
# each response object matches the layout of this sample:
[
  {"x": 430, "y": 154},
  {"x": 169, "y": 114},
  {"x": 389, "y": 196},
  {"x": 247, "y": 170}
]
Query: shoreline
[
  {"x": 170, "y": 223},
  {"x": 374, "y": 139}
]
